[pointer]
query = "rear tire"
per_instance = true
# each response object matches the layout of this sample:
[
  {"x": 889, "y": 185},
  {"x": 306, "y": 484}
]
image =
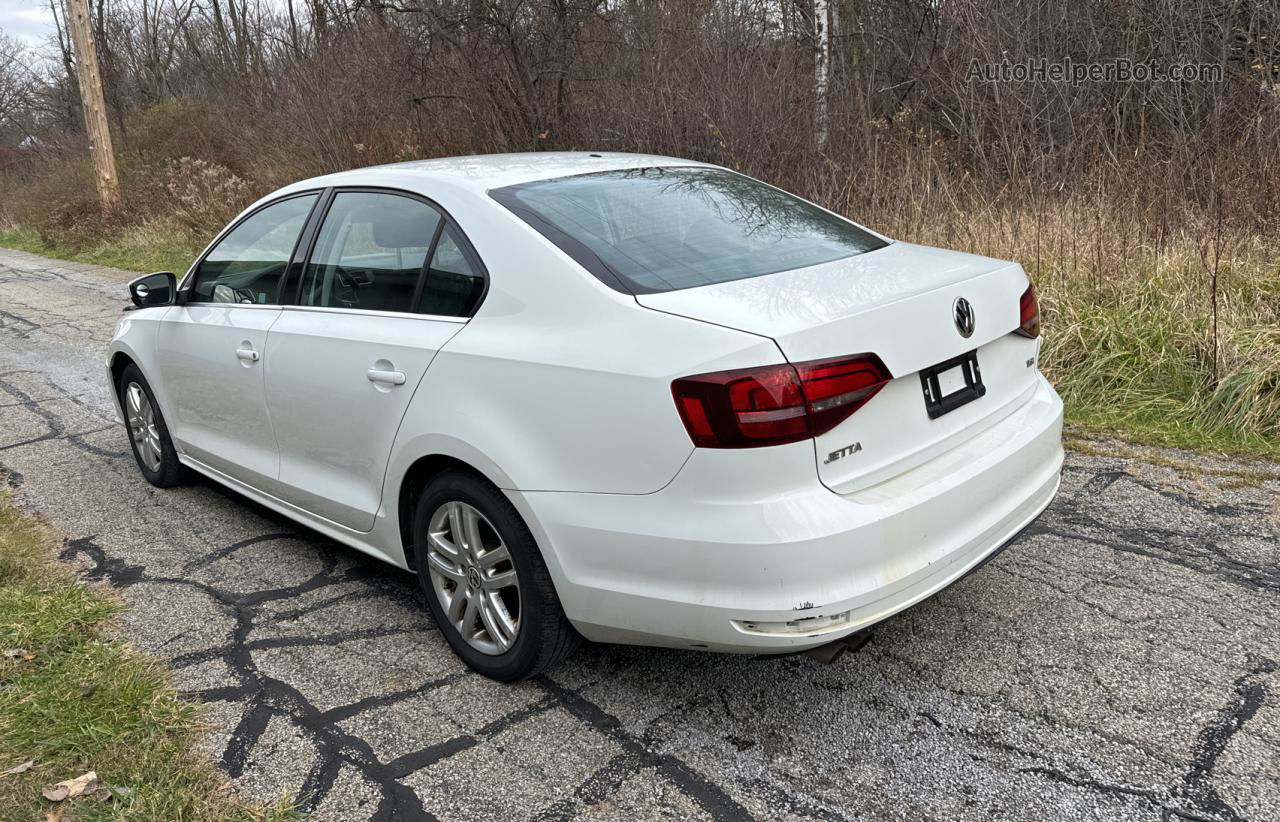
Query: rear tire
[
  {"x": 148, "y": 435},
  {"x": 492, "y": 541}
]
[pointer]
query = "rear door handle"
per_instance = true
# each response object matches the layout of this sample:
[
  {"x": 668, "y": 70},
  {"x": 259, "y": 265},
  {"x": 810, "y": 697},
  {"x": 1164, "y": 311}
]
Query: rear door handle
[
  {"x": 247, "y": 354},
  {"x": 389, "y": 377}
]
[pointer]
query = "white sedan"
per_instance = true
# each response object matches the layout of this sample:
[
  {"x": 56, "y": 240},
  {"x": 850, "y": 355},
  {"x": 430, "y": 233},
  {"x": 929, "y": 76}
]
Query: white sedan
[{"x": 631, "y": 398}]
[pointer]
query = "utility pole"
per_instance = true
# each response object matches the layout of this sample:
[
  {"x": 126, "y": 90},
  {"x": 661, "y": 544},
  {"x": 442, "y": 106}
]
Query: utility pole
[{"x": 95, "y": 108}]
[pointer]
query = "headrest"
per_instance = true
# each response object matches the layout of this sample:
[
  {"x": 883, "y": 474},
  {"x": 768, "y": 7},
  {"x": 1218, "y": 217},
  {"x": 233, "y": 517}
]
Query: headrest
[{"x": 409, "y": 227}]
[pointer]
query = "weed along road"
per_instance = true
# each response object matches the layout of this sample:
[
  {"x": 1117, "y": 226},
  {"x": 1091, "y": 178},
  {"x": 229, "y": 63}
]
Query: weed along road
[{"x": 1120, "y": 661}]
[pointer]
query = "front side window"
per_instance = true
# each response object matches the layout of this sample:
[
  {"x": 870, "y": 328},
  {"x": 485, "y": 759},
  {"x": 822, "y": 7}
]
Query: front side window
[
  {"x": 650, "y": 230},
  {"x": 248, "y": 264},
  {"x": 370, "y": 252}
]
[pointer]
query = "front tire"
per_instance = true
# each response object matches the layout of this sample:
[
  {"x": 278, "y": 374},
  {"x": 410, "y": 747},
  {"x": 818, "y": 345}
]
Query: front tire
[
  {"x": 485, "y": 581},
  {"x": 148, "y": 435}
]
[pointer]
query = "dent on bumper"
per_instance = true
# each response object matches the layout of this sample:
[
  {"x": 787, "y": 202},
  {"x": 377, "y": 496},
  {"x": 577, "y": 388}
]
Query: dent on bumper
[{"x": 799, "y": 570}]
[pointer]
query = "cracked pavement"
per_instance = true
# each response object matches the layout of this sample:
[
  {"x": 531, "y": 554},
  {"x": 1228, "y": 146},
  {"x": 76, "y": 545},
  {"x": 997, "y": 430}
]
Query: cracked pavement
[{"x": 1118, "y": 662}]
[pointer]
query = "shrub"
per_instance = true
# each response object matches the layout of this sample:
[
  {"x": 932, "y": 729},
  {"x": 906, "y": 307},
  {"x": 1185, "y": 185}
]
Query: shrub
[{"x": 204, "y": 195}]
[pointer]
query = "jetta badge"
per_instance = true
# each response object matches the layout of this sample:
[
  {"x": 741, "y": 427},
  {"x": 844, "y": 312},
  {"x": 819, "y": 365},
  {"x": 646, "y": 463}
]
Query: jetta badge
[{"x": 962, "y": 313}]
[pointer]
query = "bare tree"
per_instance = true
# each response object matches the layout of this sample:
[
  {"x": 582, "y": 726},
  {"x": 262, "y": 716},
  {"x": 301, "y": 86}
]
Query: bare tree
[
  {"x": 17, "y": 85},
  {"x": 821, "y": 69},
  {"x": 158, "y": 25}
]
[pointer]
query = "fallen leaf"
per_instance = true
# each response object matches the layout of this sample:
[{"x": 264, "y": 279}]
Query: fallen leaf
[
  {"x": 82, "y": 784},
  {"x": 23, "y": 768},
  {"x": 53, "y": 815}
]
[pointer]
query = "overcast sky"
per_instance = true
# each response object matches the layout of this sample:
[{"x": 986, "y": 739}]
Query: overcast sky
[{"x": 27, "y": 20}]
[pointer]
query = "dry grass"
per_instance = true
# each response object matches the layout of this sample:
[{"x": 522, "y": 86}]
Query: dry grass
[
  {"x": 156, "y": 245},
  {"x": 74, "y": 700},
  {"x": 1129, "y": 331}
]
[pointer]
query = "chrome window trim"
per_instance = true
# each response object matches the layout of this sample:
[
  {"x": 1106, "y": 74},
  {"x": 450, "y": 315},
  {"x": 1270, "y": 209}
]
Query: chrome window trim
[
  {"x": 368, "y": 312},
  {"x": 272, "y": 306}
]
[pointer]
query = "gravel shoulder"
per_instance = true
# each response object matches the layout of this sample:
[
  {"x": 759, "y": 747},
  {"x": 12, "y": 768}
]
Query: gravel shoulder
[{"x": 1118, "y": 662}]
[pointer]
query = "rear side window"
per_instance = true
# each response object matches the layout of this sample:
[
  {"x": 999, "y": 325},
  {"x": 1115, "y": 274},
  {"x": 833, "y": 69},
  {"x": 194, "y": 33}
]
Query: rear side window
[
  {"x": 370, "y": 252},
  {"x": 454, "y": 284},
  {"x": 663, "y": 229},
  {"x": 247, "y": 265}
]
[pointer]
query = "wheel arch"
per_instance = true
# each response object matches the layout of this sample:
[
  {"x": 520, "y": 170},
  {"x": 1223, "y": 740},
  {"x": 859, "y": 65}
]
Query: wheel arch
[
  {"x": 120, "y": 360},
  {"x": 414, "y": 477},
  {"x": 117, "y": 361}
]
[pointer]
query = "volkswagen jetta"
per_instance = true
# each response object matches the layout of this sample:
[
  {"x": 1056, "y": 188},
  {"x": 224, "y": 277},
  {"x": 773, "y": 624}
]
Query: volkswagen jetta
[{"x": 632, "y": 398}]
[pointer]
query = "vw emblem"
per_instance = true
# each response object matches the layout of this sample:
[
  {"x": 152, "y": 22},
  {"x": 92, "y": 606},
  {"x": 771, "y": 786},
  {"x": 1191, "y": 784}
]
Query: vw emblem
[
  {"x": 962, "y": 313},
  {"x": 473, "y": 577}
]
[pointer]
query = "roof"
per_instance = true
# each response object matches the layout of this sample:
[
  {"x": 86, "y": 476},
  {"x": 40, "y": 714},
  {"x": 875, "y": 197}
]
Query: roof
[{"x": 484, "y": 172}]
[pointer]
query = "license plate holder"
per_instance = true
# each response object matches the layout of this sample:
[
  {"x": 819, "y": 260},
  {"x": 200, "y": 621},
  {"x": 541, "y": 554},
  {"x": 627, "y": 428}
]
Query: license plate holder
[{"x": 934, "y": 378}]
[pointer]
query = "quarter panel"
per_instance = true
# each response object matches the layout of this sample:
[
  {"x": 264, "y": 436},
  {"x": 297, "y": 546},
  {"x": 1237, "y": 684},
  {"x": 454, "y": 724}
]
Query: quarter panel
[{"x": 583, "y": 405}]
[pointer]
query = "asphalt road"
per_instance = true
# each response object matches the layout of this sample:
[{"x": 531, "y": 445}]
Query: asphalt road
[{"x": 1118, "y": 662}]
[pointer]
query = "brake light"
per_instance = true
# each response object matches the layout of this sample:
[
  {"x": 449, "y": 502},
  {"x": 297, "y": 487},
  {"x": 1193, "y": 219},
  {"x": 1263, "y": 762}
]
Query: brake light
[
  {"x": 1029, "y": 310},
  {"x": 775, "y": 404}
]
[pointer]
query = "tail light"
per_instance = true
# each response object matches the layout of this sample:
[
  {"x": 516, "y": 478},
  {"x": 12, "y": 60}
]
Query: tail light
[
  {"x": 1029, "y": 324},
  {"x": 776, "y": 404}
]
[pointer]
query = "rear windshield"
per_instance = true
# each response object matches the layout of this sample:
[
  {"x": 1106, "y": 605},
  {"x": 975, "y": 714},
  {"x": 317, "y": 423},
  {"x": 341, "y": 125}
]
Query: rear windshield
[{"x": 662, "y": 229}]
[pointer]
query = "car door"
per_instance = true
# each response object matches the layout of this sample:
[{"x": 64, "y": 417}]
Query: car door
[
  {"x": 343, "y": 363},
  {"x": 210, "y": 347}
]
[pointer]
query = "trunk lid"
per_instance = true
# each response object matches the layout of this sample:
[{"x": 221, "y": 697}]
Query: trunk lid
[{"x": 896, "y": 302}]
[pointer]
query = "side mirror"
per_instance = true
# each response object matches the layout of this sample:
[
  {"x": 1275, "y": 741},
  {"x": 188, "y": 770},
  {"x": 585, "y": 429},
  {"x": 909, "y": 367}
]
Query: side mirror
[{"x": 153, "y": 289}]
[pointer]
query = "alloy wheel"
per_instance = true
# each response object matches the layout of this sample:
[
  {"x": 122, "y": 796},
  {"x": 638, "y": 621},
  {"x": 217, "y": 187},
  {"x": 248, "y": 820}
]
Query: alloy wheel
[
  {"x": 473, "y": 577},
  {"x": 142, "y": 426}
]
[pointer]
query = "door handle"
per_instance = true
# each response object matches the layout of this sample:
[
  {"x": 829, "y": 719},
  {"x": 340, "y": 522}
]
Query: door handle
[
  {"x": 247, "y": 354},
  {"x": 389, "y": 377}
]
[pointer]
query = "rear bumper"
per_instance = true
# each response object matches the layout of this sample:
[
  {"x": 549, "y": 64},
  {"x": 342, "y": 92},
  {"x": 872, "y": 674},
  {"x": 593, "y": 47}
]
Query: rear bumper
[{"x": 689, "y": 567}]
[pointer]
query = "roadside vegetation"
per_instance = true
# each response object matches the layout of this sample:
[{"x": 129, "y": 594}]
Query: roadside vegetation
[
  {"x": 88, "y": 728},
  {"x": 1146, "y": 212},
  {"x": 160, "y": 245}
]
